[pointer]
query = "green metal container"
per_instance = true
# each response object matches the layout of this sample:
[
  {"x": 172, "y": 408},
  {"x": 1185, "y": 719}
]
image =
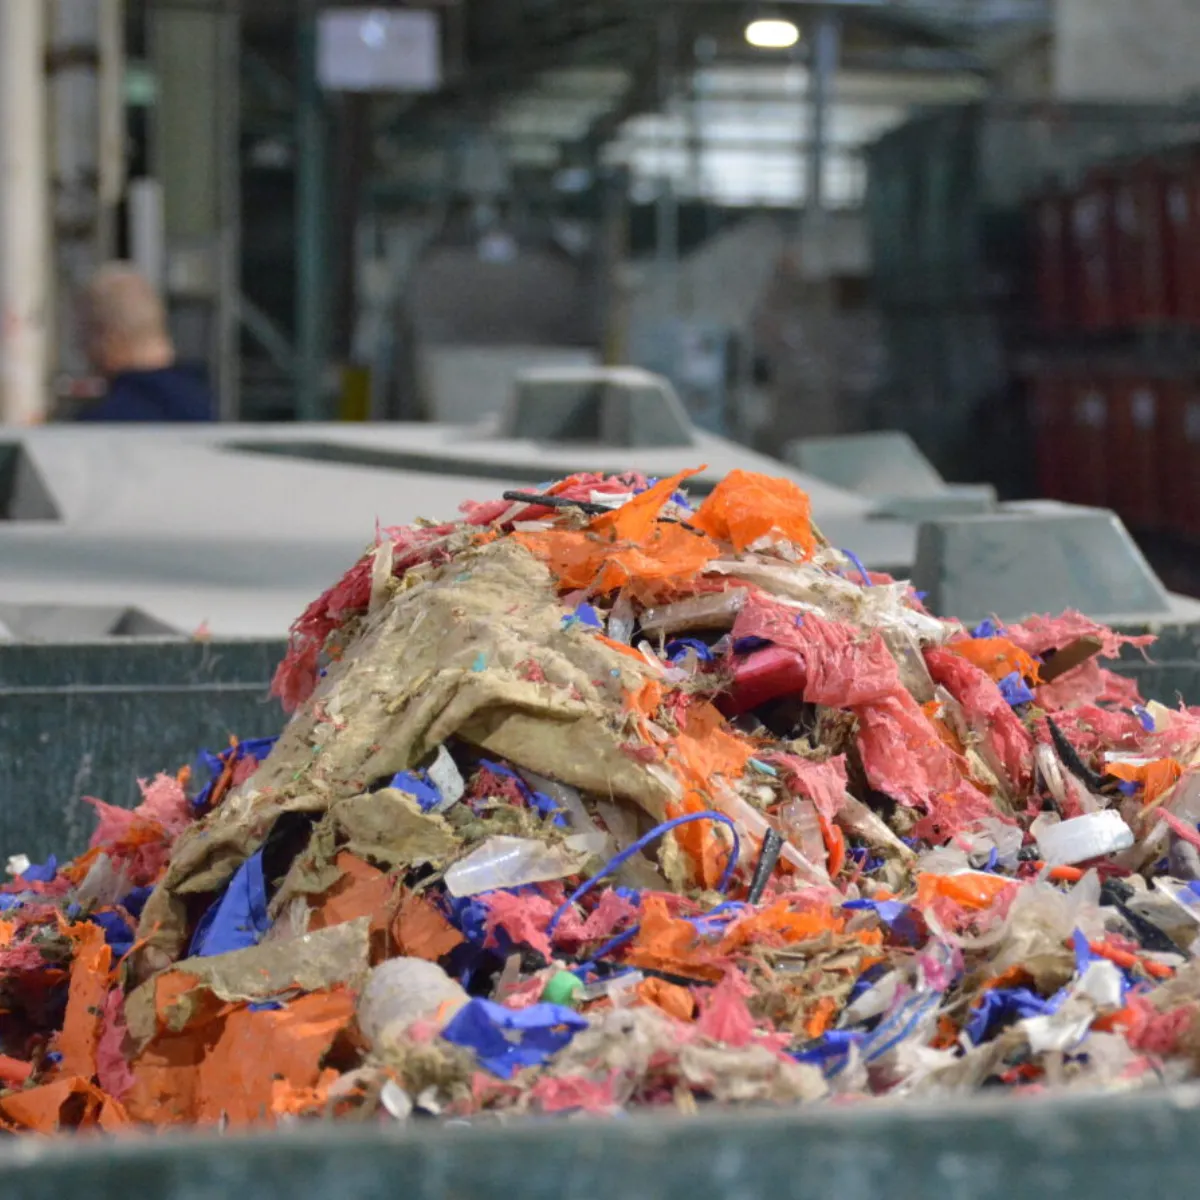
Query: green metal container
[
  {"x": 91, "y": 719},
  {"x": 1105, "y": 1147}
]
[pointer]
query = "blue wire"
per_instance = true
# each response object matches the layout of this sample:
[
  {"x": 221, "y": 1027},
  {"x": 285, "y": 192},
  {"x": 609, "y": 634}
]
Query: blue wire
[
  {"x": 859, "y": 564},
  {"x": 619, "y": 860}
]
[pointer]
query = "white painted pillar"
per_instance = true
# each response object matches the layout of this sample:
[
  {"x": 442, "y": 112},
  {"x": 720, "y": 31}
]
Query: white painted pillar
[{"x": 25, "y": 290}]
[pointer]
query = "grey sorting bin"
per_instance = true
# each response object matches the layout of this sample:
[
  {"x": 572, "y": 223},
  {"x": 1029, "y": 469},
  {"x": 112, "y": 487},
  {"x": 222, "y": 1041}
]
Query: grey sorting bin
[{"x": 90, "y": 719}]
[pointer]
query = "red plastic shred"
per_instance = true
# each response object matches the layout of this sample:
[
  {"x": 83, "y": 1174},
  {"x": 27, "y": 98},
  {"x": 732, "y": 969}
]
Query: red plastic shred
[
  {"x": 724, "y": 1014},
  {"x": 824, "y": 783},
  {"x": 979, "y": 694},
  {"x": 523, "y": 917},
  {"x": 845, "y": 669},
  {"x": 1041, "y": 634},
  {"x": 902, "y": 754},
  {"x": 1089, "y": 683},
  {"x": 574, "y": 1092}
]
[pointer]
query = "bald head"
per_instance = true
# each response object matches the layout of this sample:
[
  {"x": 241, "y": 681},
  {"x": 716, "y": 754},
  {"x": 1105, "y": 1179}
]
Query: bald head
[{"x": 124, "y": 322}]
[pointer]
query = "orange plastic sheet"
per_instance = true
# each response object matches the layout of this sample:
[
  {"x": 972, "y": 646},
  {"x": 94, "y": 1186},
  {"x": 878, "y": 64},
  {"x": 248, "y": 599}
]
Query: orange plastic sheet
[
  {"x": 699, "y": 841},
  {"x": 746, "y": 506},
  {"x": 822, "y": 1016},
  {"x": 69, "y": 1103},
  {"x": 672, "y": 998},
  {"x": 626, "y": 547},
  {"x": 362, "y": 891},
  {"x": 779, "y": 925},
  {"x": 289, "y": 1100},
  {"x": 634, "y": 521},
  {"x": 228, "y": 1066},
  {"x": 420, "y": 930},
  {"x": 669, "y": 554},
  {"x": 997, "y": 656},
  {"x": 582, "y": 560},
  {"x": 85, "y": 1001},
  {"x": 1155, "y": 777},
  {"x": 704, "y": 750},
  {"x": 667, "y": 943},
  {"x": 971, "y": 889}
]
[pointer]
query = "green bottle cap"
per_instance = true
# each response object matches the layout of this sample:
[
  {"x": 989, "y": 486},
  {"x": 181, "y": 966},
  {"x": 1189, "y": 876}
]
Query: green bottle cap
[{"x": 562, "y": 988}]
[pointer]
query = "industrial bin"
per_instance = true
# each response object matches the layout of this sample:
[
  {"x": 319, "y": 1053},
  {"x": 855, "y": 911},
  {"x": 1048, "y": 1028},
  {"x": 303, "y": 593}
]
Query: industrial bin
[
  {"x": 982, "y": 1148},
  {"x": 91, "y": 719}
]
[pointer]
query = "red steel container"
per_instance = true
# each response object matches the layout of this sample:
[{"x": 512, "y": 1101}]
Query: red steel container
[
  {"x": 1179, "y": 458},
  {"x": 1134, "y": 464},
  {"x": 1183, "y": 239},
  {"x": 1140, "y": 292},
  {"x": 1050, "y": 397},
  {"x": 1092, "y": 251},
  {"x": 1052, "y": 219},
  {"x": 1087, "y": 450}
]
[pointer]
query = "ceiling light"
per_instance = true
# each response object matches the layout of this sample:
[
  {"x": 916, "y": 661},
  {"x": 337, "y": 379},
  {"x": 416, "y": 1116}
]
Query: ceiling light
[{"x": 772, "y": 35}]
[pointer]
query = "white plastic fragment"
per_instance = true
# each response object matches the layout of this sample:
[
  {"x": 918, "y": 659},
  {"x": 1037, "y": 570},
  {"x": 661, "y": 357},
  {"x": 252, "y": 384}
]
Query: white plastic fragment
[
  {"x": 446, "y": 777},
  {"x": 611, "y": 499},
  {"x": 617, "y": 989},
  {"x": 18, "y": 864},
  {"x": 1094, "y": 835},
  {"x": 396, "y": 1101}
]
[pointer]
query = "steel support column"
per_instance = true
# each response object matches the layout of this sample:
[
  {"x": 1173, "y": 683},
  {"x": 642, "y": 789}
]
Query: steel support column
[
  {"x": 826, "y": 43},
  {"x": 311, "y": 274},
  {"x": 25, "y": 291},
  {"x": 194, "y": 147}
]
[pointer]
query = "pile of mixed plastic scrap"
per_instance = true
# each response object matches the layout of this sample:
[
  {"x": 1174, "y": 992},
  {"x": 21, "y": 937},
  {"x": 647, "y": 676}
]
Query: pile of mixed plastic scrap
[{"x": 595, "y": 800}]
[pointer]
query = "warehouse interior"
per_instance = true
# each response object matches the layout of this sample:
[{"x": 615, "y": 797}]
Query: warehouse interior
[
  {"x": 581, "y": 559},
  {"x": 974, "y": 223},
  {"x": 883, "y": 225}
]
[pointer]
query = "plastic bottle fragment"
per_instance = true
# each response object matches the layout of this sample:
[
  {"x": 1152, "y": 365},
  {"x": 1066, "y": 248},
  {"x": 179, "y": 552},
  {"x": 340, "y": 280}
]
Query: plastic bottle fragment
[
  {"x": 507, "y": 862},
  {"x": 1094, "y": 835},
  {"x": 803, "y": 828},
  {"x": 1051, "y": 774},
  {"x": 856, "y": 818},
  {"x": 402, "y": 991},
  {"x": 622, "y": 619},
  {"x": 750, "y": 821}
]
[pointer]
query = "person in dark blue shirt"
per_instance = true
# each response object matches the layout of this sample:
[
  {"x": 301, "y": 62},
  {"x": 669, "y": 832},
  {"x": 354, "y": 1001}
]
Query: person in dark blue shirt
[{"x": 125, "y": 331}]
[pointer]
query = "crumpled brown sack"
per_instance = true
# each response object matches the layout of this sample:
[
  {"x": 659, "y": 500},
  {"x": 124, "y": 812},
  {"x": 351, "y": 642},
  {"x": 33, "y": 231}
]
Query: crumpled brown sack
[{"x": 462, "y": 653}]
